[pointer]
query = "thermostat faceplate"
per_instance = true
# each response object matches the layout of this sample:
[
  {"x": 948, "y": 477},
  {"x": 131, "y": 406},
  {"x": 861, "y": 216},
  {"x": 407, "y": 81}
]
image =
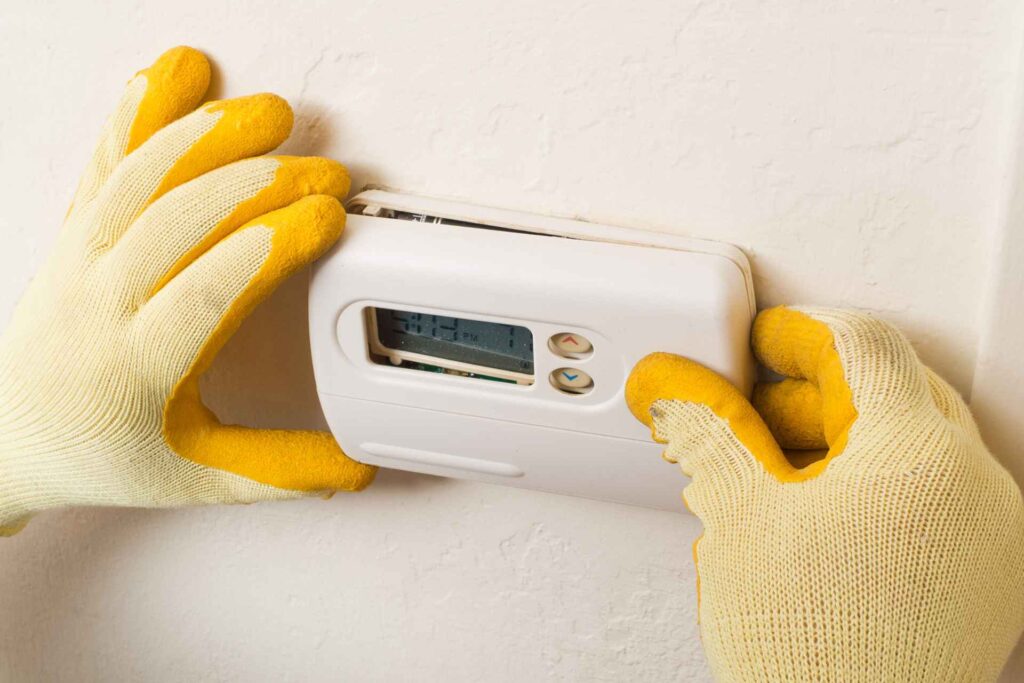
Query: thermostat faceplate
[{"x": 479, "y": 343}]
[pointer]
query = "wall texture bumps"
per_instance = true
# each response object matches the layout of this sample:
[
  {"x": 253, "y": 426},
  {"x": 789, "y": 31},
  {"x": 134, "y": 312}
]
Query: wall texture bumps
[{"x": 856, "y": 151}]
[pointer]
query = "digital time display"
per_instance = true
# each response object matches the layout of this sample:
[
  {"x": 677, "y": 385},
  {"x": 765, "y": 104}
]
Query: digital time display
[{"x": 499, "y": 346}]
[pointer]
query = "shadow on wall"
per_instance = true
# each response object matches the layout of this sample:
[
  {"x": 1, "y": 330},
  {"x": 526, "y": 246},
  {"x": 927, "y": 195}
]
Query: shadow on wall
[{"x": 263, "y": 377}]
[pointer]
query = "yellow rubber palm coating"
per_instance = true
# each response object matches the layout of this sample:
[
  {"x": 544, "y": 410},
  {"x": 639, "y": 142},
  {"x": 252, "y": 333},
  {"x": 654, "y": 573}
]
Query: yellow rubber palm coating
[
  {"x": 247, "y": 127},
  {"x": 811, "y": 409},
  {"x": 297, "y": 177},
  {"x": 286, "y": 459},
  {"x": 793, "y": 344},
  {"x": 210, "y": 138},
  {"x": 793, "y": 412},
  {"x": 175, "y": 85},
  {"x": 792, "y": 409},
  {"x": 667, "y": 377}
]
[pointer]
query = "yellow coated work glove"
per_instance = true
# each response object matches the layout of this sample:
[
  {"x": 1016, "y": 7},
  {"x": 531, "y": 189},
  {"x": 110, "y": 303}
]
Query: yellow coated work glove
[
  {"x": 898, "y": 556},
  {"x": 178, "y": 230}
]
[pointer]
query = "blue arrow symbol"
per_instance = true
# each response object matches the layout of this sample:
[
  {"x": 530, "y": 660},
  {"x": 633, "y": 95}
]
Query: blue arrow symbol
[{"x": 568, "y": 376}]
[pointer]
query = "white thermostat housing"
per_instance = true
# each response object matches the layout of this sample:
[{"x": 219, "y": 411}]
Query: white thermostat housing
[{"x": 479, "y": 343}]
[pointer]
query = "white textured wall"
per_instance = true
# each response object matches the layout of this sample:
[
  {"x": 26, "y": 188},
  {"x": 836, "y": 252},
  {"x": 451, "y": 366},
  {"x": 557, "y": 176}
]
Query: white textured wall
[{"x": 854, "y": 149}]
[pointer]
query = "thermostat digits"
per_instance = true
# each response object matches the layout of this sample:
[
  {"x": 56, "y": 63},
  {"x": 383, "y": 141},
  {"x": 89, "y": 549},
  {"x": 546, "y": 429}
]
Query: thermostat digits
[
  {"x": 471, "y": 342},
  {"x": 441, "y": 343}
]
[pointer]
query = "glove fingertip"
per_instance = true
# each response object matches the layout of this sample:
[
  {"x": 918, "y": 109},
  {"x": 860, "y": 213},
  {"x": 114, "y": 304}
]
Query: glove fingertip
[
  {"x": 175, "y": 85},
  {"x": 646, "y": 384}
]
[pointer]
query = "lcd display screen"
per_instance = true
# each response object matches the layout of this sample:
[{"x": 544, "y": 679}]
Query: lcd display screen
[{"x": 486, "y": 344}]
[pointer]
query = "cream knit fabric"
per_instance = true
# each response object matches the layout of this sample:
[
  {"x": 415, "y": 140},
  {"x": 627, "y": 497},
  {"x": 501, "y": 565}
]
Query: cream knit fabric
[
  {"x": 902, "y": 561},
  {"x": 88, "y": 361}
]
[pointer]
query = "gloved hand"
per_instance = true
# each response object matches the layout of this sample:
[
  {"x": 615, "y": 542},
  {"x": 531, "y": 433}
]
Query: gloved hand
[
  {"x": 177, "y": 231},
  {"x": 898, "y": 556}
]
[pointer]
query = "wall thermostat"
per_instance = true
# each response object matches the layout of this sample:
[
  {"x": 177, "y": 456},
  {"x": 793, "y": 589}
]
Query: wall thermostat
[{"x": 480, "y": 343}]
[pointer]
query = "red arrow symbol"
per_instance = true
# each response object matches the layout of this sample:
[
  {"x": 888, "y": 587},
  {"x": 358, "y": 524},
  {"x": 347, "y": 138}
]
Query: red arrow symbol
[{"x": 570, "y": 338}]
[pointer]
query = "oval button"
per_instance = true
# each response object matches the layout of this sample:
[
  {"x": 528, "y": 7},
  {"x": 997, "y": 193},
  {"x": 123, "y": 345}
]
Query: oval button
[
  {"x": 570, "y": 345},
  {"x": 572, "y": 380}
]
